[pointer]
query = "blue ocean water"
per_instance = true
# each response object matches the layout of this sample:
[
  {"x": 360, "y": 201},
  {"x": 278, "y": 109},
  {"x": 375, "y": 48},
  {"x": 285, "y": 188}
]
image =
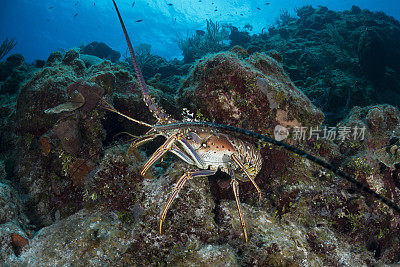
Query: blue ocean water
[{"x": 43, "y": 26}]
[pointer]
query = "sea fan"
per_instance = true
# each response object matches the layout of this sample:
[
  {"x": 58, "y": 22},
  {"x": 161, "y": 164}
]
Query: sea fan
[{"x": 6, "y": 47}]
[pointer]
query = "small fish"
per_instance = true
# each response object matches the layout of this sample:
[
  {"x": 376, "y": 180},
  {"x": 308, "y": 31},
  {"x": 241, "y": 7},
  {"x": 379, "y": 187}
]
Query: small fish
[
  {"x": 94, "y": 3},
  {"x": 77, "y": 101},
  {"x": 76, "y": 14},
  {"x": 241, "y": 14},
  {"x": 258, "y": 8},
  {"x": 267, "y": 3},
  {"x": 76, "y": 3},
  {"x": 215, "y": 9},
  {"x": 139, "y": 20},
  {"x": 170, "y": 4},
  {"x": 50, "y": 7},
  {"x": 133, "y": 3}
]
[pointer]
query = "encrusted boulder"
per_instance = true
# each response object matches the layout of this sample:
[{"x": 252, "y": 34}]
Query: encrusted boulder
[
  {"x": 13, "y": 240},
  {"x": 68, "y": 132},
  {"x": 57, "y": 145},
  {"x": 13, "y": 221},
  {"x": 281, "y": 242},
  {"x": 252, "y": 93},
  {"x": 101, "y": 50},
  {"x": 372, "y": 157},
  {"x": 11, "y": 206},
  {"x": 12, "y": 73}
]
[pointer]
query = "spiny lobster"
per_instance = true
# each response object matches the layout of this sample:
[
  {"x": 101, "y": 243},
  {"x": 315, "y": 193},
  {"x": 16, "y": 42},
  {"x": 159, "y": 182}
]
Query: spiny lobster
[{"x": 211, "y": 147}]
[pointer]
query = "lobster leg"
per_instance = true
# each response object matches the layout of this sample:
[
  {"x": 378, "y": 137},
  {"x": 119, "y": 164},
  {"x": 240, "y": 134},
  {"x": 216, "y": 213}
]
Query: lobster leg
[
  {"x": 190, "y": 150},
  {"x": 235, "y": 187},
  {"x": 182, "y": 155},
  {"x": 181, "y": 182},
  {"x": 159, "y": 153},
  {"x": 241, "y": 165},
  {"x": 138, "y": 142},
  {"x": 142, "y": 140}
]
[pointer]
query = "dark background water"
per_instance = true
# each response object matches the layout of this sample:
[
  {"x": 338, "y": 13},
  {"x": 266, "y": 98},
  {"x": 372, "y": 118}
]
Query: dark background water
[{"x": 41, "y": 27}]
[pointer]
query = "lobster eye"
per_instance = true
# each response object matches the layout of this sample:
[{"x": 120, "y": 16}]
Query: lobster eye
[
  {"x": 188, "y": 137},
  {"x": 204, "y": 145}
]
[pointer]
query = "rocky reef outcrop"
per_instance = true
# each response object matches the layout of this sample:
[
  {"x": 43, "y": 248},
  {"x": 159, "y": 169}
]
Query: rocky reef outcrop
[
  {"x": 252, "y": 93},
  {"x": 71, "y": 190},
  {"x": 101, "y": 50},
  {"x": 338, "y": 59},
  {"x": 12, "y": 72}
]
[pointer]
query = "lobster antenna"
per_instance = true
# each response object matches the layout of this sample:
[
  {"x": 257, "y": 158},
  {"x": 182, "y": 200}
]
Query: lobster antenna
[
  {"x": 111, "y": 108},
  {"x": 297, "y": 151},
  {"x": 158, "y": 113},
  {"x": 139, "y": 74}
]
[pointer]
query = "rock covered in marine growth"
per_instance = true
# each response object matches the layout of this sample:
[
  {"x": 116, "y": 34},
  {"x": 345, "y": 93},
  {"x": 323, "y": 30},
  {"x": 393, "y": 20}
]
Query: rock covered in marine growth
[
  {"x": 373, "y": 159},
  {"x": 12, "y": 72},
  {"x": 101, "y": 50},
  {"x": 11, "y": 206},
  {"x": 120, "y": 222},
  {"x": 56, "y": 151},
  {"x": 253, "y": 93},
  {"x": 13, "y": 221}
]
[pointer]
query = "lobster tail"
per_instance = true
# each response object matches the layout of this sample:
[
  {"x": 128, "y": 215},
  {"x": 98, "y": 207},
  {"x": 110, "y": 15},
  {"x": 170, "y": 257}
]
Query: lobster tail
[{"x": 157, "y": 111}]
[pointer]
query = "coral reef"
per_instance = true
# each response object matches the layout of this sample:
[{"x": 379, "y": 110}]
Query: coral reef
[
  {"x": 338, "y": 59},
  {"x": 57, "y": 150},
  {"x": 382, "y": 124},
  {"x": 253, "y": 93},
  {"x": 238, "y": 37},
  {"x": 101, "y": 50},
  {"x": 71, "y": 193},
  {"x": 13, "y": 221},
  {"x": 334, "y": 71},
  {"x": 12, "y": 73},
  {"x": 202, "y": 43}
]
